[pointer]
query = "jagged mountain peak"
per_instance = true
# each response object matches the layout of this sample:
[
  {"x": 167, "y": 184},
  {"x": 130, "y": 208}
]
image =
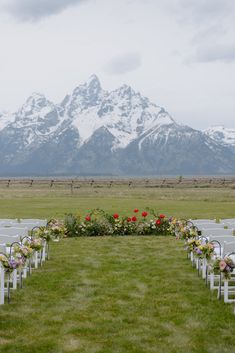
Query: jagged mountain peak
[
  {"x": 96, "y": 131},
  {"x": 91, "y": 88}
]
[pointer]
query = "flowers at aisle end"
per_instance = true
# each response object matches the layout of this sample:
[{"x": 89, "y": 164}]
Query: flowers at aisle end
[
  {"x": 224, "y": 266},
  {"x": 57, "y": 228}
]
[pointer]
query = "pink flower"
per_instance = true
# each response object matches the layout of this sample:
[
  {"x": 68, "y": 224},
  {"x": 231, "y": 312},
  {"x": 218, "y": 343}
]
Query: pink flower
[
  {"x": 222, "y": 265},
  {"x": 158, "y": 221},
  {"x": 144, "y": 214},
  {"x": 115, "y": 216}
]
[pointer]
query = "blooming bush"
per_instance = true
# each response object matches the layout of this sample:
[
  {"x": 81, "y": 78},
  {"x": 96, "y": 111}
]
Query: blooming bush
[{"x": 98, "y": 223}]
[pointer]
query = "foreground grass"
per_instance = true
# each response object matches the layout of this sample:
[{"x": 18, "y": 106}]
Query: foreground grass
[{"x": 116, "y": 294}]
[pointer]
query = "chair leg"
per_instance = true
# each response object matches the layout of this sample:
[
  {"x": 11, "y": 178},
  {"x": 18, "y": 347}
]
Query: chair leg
[{"x": 2, "y": 286}]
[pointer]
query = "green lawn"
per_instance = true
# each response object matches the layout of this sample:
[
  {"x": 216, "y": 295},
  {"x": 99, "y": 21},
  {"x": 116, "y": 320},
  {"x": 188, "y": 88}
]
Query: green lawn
[{"x": 116, "y": 294}]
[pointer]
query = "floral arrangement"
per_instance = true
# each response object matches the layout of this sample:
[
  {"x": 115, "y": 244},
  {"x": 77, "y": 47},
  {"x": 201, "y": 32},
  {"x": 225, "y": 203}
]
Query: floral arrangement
[
  {"x": 11, "y": 263},
  {"x": 187, "y": 232},
  {"x": 225, "y": 266},
  {"x": 98, "y": 223},
  {"x": 42, "y": 233},
  {"x": 56, "y": 228},
  {"x": 192, "y": 244},
  {"x": 24, "y": 251},
  {"x": 35, "y": 244},
  {"x": 204, "y": 251}
]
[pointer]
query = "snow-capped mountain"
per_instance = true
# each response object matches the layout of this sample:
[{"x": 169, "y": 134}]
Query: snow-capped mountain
[
  {"x": 222, "y": 135},
  {"x": 93, "y": 131}
]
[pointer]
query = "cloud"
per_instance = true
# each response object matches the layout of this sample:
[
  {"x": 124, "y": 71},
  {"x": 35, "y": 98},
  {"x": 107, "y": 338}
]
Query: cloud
[
  {"x": 215, "y": 52},
  {"x": 123, "y": 63},
  {"x": 204, "y": 11},
  {"x": 34, "y": 10}
]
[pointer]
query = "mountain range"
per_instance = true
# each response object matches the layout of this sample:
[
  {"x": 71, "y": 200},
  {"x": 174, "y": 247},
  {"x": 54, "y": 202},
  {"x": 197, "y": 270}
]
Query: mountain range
[{"x": 96, "y": 132}]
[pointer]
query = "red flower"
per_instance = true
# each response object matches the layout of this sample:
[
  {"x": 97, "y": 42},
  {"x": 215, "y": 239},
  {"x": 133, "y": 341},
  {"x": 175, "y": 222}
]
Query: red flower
[
  {"x": 134, "y": 219},
  {"x": 162, "y": 216},
  {"x": 158, "y": 221},
  {"x": 136, "y": 210},
  {"x": 115, "y": 216},
  {"x": 128, "y": 219},
  {"x": 88, "y": 218},
  {"x": 144, "y": 214}
]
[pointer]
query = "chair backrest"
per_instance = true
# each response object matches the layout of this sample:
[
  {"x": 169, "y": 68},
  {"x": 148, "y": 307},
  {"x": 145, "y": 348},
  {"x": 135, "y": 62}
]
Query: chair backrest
[
  {"x": 230, "y": 225},
  {"x": 29, "y": 226},
  {"x": 7, "y": 239},
  {"x": 217, "y": 231},
  {"x": 203, "y": 220},
  {"x": 228, "y": 247},
  {"x": 228, "y": 220},
  {"x": 14, "y": 231},
  {"x": 211, "y": 226},
  {"x": 222, "y": 239},
  {"x": 37, "y": 222},
  {"x": 3, "y": 248}
]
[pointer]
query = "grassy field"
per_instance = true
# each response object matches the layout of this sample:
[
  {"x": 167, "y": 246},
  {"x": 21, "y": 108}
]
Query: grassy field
[
  {"x": 184, "y": 203},
  {"x": 116, "y": 294}
]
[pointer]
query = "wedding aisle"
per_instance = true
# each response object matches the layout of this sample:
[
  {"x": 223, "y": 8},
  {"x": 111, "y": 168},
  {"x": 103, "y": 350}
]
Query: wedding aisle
[{"x": 116, "y": 294}]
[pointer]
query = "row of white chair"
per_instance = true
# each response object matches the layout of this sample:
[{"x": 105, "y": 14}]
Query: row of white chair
[
  {"x": 223, "y": 240},
  {"x": 19, "y": 233}
]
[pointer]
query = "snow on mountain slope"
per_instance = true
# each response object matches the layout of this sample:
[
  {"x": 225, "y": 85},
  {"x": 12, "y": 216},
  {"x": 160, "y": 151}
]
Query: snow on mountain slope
[
  {"x": 123, "y": 112},
  {"x": 93, "y": 131},
  {"x": 6, "y": 118},
  {"x": 221, "y": 134}
]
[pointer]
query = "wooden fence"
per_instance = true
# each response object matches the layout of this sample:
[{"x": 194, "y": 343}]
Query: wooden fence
[{"x": 76, "y": 183}]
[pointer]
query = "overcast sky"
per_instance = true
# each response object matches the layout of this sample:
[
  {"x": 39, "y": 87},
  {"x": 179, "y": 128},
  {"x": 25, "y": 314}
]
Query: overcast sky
[{"x": 179, "y": 53}]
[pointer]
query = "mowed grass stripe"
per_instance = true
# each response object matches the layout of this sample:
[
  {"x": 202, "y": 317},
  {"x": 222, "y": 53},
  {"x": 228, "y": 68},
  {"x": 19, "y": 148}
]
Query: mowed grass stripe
[{"x": 116, "y": 294}]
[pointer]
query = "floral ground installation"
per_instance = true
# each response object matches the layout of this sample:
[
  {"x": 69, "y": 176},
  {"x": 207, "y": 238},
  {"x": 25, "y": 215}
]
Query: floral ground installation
[{"x": 100, "y": 223}]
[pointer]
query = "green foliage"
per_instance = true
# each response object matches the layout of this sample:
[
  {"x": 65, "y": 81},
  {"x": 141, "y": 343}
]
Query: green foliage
[{"x": 100, "y": 223}]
